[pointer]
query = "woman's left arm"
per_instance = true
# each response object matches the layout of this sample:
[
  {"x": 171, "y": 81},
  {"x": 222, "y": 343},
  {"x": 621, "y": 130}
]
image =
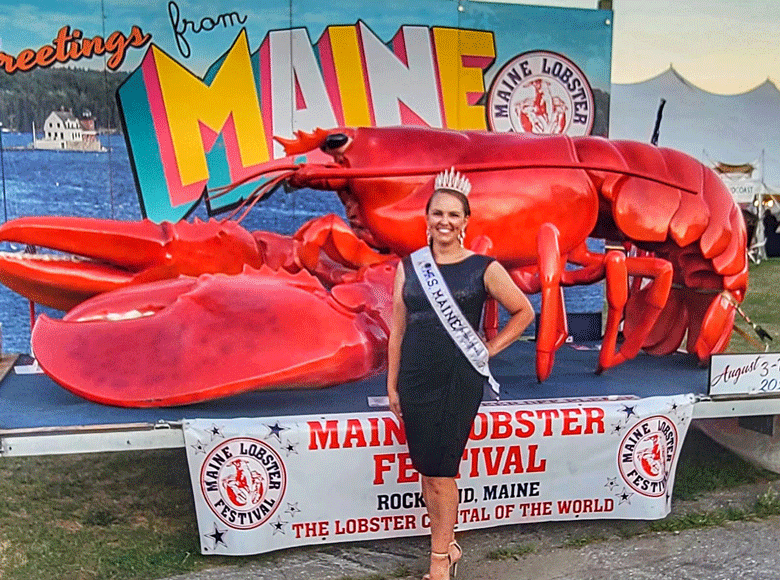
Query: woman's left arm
[{"x": 500, "y": 286}]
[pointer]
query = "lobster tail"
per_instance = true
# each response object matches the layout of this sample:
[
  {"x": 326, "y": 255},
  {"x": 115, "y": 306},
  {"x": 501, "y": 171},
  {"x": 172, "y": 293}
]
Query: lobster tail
[{"x": 687, "y": 217}]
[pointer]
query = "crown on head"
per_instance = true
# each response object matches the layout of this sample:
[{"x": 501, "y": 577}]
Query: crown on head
[{"x": 449, "y": 179}]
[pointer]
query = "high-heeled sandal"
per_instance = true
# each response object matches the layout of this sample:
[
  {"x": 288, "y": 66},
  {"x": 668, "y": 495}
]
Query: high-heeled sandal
[
  {"x": 453, "y": 571},
  {"x": 454, "y": 560},
  {"x": 441, "y": 557}
]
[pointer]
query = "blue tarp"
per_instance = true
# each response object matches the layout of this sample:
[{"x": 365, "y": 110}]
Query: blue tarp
[{"x": 28, "y": 401}]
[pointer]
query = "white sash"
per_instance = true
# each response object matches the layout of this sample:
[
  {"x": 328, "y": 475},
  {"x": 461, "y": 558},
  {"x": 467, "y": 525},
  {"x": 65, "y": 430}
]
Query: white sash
[{"x": 450, "y": 315}]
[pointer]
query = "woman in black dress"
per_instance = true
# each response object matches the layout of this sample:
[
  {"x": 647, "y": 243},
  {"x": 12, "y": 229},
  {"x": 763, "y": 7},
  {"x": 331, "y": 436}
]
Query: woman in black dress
[{"x": 432, "y": 388}]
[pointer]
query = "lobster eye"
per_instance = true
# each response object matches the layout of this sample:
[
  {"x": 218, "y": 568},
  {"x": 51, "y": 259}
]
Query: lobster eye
[{"x": 334, "y": 141}]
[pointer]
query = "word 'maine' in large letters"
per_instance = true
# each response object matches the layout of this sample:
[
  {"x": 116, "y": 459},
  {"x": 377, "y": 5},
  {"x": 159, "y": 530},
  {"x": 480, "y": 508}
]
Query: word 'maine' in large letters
[{"x": 188, "y": 134}]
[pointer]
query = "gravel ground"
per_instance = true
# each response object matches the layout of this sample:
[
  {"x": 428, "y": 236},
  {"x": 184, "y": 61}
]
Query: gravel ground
[{"x": 596, "y": 550}]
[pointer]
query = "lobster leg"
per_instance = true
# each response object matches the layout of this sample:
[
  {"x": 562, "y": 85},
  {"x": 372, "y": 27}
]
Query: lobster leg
[
  {"x": 654, "y": 297},
  {"x": 331, "y": 235},
  {"x": 617, "y": 296},
  {"x": 552, "y": 330},
  {"x": 719, "y": 315}
]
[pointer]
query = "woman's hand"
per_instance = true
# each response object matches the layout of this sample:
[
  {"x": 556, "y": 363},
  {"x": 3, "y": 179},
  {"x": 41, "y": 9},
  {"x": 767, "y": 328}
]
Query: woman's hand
[{"x": 395, "y": 404}]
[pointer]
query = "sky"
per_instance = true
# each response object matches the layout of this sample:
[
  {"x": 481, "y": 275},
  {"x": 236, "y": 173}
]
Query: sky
[{"x": 722, "y": 46}]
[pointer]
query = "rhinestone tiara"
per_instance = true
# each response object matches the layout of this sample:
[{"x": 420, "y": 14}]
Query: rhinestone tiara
[{"x": 453, "y": 181}]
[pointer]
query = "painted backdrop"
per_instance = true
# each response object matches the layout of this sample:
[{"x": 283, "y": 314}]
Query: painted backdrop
[{"x": 186, "y": 96}]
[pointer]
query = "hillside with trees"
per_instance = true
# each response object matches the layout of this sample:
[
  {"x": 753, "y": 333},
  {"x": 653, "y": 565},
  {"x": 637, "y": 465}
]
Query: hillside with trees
[{"x": 27, "y": 98}]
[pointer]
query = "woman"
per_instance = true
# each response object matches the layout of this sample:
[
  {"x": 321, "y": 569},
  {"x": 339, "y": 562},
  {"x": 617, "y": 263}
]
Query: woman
[{"x": 432, "y": 387}]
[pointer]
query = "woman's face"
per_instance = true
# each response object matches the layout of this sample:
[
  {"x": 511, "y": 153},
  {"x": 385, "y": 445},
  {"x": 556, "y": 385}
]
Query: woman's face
[{"x": 446, "y": 218}]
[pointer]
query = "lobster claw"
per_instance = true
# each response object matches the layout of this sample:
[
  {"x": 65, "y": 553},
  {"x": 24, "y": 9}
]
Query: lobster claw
[
  {"x": 187, "y": 340},
  {"x": 105, "y": 254}
]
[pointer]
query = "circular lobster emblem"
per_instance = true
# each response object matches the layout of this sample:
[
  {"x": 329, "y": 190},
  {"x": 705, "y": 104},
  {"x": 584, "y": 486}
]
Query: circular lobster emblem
[
  {"x": 243, "y": 481},
  {"x": 541, "y": 92},
  {"x": 646, "y": 455}
]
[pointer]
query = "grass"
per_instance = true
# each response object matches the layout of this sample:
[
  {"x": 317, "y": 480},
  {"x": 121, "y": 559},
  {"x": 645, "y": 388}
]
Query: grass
[
  {"x": 130, "y": 515},
  {"x": 760, "y": 306},
  {"x": 103, "y": 516}
]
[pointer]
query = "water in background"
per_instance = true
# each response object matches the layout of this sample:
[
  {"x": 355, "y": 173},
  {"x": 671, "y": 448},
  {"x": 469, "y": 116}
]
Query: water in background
[{"x": 66, "y": 183}]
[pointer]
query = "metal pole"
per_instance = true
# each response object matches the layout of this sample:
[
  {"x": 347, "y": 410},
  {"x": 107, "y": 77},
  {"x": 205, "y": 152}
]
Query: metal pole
[
  {"x": 761, "y": 210},
  {"x": 2, "y": 171},
  {"x": 32, "y": 314}
]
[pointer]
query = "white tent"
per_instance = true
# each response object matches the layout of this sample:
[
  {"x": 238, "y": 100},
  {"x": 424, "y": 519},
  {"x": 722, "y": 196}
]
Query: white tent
[
  {"x": 729, "y": 128},
  {"x": 715, "y": 129}
]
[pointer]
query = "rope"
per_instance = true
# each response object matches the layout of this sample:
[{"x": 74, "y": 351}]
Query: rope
[
  {"x": 751, "y": 340},
  {"x": 760, "y": 332}
]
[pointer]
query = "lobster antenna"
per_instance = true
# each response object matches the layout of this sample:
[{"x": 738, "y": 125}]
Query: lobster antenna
[{"x": 657, "y": 128}]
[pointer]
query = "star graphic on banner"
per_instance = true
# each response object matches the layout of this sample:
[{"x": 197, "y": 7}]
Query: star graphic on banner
[
  {"x": 217, "y": 536},
  {"x": 625, "y": 497},
  {"x": 290, "y": 447},
  {"x": 292, "y": 509},
  {"x": 276, "y": 430},
  {"x": 617, "y": 429},
  {"x": 611, "y": 483},
  {"x": 199, "y": 447},
  {"x": 216, "y": 432},
  {"x": 629, "y": 411},
  {"x": 278, "y": 525},
  {"x": 673, "y": 409}
]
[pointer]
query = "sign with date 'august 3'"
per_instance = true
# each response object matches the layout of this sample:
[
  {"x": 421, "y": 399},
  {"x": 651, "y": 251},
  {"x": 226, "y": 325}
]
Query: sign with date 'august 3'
[{"x": 745, "y": 374}]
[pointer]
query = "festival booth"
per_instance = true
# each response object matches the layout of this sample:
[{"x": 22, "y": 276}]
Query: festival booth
[
  {"x": 262, "y": 354},
  {"x": 746, "y": 184}
]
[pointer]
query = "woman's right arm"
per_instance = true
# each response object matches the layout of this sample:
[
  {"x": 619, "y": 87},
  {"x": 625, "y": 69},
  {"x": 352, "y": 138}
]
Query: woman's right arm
[{"x": 397, "y": 329}]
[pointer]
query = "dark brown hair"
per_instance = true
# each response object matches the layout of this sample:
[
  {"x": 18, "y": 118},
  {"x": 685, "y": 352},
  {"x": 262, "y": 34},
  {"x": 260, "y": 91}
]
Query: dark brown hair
[{"x": 464, "y": 201}]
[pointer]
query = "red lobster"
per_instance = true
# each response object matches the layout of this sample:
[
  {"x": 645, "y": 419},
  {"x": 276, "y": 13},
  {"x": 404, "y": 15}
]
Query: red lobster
[
  {"x": 535, "y": 200},
  {"x": 220, "y": 311}
]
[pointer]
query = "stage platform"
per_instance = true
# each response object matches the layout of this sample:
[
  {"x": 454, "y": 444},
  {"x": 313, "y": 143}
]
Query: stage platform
[{"x": 38, "y": 417}]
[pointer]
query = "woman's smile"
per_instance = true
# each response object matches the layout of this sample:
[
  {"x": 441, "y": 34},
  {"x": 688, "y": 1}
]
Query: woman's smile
[{"x": 446, "y": 219}]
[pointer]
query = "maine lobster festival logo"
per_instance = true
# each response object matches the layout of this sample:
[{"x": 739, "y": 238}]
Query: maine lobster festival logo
[
  {"x": 646, "y": 455},
  {"x": 243, "y": 481},
  {"x": 541, "y": 92}
]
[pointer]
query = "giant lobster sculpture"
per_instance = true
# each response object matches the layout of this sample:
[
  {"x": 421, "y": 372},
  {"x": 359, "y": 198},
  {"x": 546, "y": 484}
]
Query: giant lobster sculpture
[{"x": 222, "y": 311}]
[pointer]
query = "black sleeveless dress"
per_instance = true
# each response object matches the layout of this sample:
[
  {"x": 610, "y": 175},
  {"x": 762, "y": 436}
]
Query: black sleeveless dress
[{"x": 439, "y": 391}]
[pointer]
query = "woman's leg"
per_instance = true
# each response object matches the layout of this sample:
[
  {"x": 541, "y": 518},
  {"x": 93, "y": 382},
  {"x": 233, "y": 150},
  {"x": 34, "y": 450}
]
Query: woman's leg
[{"x": 441, "y": 498}]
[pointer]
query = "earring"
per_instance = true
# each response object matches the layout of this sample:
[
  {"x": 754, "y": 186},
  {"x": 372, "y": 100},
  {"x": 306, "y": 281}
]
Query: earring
[{"x": 462, "y": 236}]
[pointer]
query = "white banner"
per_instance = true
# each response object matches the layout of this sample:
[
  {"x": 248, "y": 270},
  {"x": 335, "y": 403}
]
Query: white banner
[
  {"x": 744, "y": 181},
  {"x": 743, "y": 190},
  {"x": 268, "y": 483}
]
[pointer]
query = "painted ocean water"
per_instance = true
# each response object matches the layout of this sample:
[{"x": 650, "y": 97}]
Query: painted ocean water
[{"x": 37, "y": 183}]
